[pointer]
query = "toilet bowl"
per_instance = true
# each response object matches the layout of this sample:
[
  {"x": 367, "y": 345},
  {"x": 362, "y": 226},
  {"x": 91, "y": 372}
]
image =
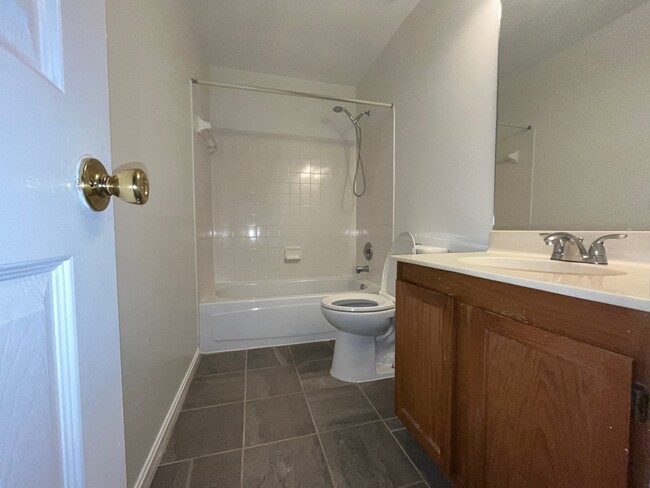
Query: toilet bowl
[{"x": 365, "y": 342}]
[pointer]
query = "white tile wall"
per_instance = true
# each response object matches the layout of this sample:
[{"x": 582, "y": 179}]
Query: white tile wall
[
  {"x": 272, "y": 191},
  {"x": 375, "y": 208}
]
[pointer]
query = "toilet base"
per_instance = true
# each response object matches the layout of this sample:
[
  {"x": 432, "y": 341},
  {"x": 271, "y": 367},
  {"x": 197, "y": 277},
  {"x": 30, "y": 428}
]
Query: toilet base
[{"x": 355, "y": 359}]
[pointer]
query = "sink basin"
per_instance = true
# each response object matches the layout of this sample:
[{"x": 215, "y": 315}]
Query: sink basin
[{"x": 542, "y": 266}]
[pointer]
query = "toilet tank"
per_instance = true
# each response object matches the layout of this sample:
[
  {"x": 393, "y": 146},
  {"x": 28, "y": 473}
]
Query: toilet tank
[{"x": 404, "y": 244}]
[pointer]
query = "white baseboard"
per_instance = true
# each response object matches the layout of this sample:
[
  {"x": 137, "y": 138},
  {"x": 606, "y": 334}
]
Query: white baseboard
[{"x": 160, "y": 443}]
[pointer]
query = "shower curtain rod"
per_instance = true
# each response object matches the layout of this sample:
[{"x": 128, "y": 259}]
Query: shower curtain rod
[{"x": 277, "y": 91}]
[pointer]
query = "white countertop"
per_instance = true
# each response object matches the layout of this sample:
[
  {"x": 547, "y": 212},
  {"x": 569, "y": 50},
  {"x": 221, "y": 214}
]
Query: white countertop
[{"x": 630, "y": 290}]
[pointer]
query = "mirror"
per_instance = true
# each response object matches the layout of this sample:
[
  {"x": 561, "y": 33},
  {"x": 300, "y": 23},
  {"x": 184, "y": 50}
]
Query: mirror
[{"x": 573, "y": 134}]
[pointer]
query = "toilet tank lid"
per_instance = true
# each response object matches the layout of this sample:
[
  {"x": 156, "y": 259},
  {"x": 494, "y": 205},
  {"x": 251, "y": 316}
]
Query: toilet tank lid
[{"x": 423, "y": 249}]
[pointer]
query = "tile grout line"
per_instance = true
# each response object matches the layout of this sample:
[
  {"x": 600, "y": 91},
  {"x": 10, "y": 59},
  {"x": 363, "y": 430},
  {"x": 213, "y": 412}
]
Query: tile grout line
[
  {"x": 312, "y": 434},
  {"x": 202, "y": 456},
  {"x": 383, "y": 421},
  {"x": 189, "y": 474},
  {"x": 246, "y": 400},
  {"x": 210, "y": 375},
  {"x": 279, "y": 441},
  {"x": 353, "y": 426},
  {"x": 392, "y": 433},
  {"x": 243, "y": 434},
  {"x": 212, "y": 406},
  {"x": 270, "y": 367},
  {"x": 313, "y": 422}
]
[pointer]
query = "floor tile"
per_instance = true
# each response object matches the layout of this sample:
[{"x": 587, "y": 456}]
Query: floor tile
[
  {"x": 206, "y": 431},
  {"x": 222, "y": 362},
  {"x": 267, "y": 357},
  {"x": 311, "y": 351},
  {"x": 394, "y": 423},
  {"x": 171, "y": 475},
  {"x": 315, "y": 375},
  {"x": 292, "y": 463},
  {"x": 220, "y": 470},
  {"x": 367, "y": 456},
  {"x": 277, "y": 418},
  {"x": 268, "y": 382},
  {"x": 215, "y": 390},
  {"x": 331, "y": 343},
  {"x": 335, "y": 408},
  {"x": 381, "y": 394},
  {"x": 422, "y": 461}
]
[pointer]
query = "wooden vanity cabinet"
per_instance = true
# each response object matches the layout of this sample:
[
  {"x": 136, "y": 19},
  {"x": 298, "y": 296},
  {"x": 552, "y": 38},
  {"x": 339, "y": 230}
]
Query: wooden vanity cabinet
[{"x": 509, "y": 387}]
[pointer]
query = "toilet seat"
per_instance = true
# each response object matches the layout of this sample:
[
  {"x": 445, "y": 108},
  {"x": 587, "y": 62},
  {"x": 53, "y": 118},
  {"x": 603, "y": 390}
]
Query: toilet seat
[
  {"x": 366, "y": 303},
  {"x": 358, "y": 302}
]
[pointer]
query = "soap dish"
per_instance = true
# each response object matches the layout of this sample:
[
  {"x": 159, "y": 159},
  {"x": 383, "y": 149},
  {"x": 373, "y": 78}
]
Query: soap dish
[{"x": 293, "y": 253}]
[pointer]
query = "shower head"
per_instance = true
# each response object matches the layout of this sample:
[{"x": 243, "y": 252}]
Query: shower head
[
  {"x": 338, "y": 109},
  {"x": 355, "y": 120}
]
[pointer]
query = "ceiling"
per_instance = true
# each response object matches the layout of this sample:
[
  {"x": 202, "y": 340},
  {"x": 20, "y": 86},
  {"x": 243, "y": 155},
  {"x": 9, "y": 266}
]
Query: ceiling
[
  {"x": 534, "y": 30},
  {"x": 333, "y": 41}
]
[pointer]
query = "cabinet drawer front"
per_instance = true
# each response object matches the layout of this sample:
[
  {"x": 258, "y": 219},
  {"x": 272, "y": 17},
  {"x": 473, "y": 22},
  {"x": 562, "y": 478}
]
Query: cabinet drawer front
[{"x": 423, "y": 367}]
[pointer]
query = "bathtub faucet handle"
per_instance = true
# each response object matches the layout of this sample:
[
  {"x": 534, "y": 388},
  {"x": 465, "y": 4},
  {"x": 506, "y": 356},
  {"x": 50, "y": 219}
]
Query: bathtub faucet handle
[{"x": 363, "y": 269}]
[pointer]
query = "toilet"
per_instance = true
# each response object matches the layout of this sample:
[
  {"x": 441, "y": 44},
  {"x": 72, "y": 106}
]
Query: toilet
[{"x": 365, "y": 337}]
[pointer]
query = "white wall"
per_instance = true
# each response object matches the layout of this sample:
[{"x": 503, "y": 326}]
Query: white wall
[
  {"x": 279, "y": 114},
  {"x": 589, "y": 107},
  {"x": 152, "y": 55},
  {"x": 440, "y": 70}
]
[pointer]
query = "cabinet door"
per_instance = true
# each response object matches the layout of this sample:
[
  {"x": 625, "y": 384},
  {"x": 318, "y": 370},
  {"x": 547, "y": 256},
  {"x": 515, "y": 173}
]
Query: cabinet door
[
  {"x": 423, "y": 367},
  {"x": 555, "y": 412}
]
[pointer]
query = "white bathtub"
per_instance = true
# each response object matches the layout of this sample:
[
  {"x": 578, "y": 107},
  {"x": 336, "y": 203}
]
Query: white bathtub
[{"x": 270, "y": 313}]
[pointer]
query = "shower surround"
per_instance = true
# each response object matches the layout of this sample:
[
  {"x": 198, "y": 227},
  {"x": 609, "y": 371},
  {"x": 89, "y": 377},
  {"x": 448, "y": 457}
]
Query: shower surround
[{"x": 270, "y": 191}]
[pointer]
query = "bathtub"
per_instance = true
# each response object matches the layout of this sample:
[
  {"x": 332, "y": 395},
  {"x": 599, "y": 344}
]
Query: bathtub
[{"x": 270, "y": 313}]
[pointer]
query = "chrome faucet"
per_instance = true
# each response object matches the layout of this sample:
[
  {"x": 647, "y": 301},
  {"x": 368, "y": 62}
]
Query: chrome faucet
[
  {"x": 567, "y": 247},
  {"x": 363, "y": 269}
]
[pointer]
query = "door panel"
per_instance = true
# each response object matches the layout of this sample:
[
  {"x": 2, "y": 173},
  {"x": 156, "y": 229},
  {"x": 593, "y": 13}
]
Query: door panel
[
  {"x": 60, "y": 380},
  {"x": 39, "y": 391},
  {"x": 423, "y": 367}
]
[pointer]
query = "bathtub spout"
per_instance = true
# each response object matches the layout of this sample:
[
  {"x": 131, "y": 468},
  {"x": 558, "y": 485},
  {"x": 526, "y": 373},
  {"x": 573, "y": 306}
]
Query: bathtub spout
[{"x": 363, "y": 269}]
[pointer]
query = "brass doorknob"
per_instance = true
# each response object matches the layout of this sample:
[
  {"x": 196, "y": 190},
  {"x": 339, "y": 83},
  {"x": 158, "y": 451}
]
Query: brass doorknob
[{"x": 97, "y": 186}]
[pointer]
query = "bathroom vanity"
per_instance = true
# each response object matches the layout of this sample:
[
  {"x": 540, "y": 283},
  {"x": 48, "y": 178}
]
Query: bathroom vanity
[{"x": 524, "y": 380}]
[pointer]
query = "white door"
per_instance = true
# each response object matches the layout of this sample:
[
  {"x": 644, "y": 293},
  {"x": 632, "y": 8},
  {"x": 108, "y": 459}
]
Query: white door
[{"x": 60, "y": 382}]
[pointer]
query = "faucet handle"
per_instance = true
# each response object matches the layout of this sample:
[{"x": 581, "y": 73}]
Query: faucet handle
[
  {"x": 551, "y": 237},
  {"x": 560, "y": 241},
  {"x": 601, "y": 239},
  {"x": 597, "y": 249}
]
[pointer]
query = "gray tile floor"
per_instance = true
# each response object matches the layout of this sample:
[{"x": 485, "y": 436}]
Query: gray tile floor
[{"x": 274, "y": 417}]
